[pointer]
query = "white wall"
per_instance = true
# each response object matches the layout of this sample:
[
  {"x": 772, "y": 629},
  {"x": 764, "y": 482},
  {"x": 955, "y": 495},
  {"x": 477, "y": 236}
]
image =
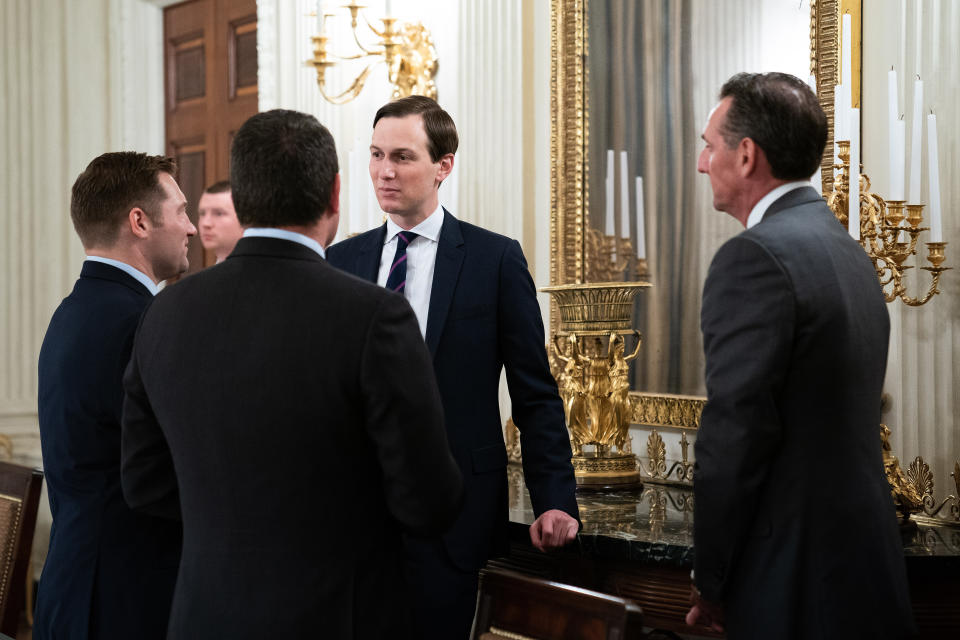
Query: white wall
[
  {"x": 922, "y": 374},
  {"x": 79, "y": 79}
]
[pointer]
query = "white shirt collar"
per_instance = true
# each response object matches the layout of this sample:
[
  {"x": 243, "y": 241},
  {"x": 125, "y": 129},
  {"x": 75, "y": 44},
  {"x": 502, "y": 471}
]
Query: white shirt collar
[
  {"x": 140, "y": 276},
  {"x": 759, "y": 209},
  {"x": 284, "y": 234},
  {"x": 429, "y": 228}
]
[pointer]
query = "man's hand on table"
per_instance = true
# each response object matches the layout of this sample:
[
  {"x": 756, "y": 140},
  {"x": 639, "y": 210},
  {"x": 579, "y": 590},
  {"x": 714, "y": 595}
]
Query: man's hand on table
[{"x": 553, "y": 529}]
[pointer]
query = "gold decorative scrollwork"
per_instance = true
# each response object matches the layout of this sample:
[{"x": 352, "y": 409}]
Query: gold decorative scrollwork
[{"x": 667, "y": 410}]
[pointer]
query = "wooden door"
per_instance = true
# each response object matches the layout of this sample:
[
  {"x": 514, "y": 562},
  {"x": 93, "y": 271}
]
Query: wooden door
[{"x": 210, "y": 71}]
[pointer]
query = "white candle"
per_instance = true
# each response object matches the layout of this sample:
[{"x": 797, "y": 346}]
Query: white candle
[
  {"x": 898, "y": 136},
  {"x": 846, "y": 61},
  {"x": 936, "y": 233},
  {"x": 608, "y": 227},
  {"x": 853, "y": 213},
  {"x": 624, "y": 197},
  {"x": 895, "y": 165},
  {"x": 641, "y": 231},
  {"x": 839, "y": 114},
  {"x": 386, "y": 9},
  {"x": 812, "y": 82},
  {"x": 319, "y": 17},
  {"x": 916, "y": 143},
  {"x": 893, "y": 109}
]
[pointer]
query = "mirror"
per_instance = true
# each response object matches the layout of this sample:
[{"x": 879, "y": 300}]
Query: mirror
[{"x": 635, "y": 81}]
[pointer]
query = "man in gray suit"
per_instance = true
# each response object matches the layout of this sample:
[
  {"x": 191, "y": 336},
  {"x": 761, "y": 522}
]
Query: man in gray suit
[{"x": 795, "y": 530}]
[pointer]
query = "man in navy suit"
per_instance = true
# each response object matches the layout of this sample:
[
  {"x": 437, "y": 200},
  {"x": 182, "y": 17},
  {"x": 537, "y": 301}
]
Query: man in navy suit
[
  {"x": 476, "y": 305},
  {"x": 109, "y": 572}
]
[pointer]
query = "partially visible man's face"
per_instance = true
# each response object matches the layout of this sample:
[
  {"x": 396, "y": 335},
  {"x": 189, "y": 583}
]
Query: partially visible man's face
[
  {"x": 167, "y": 244},
  {"x": 719, "y": 161},
  {"x": 404, "y": 176},
  {"x": 219, "y": 227}
]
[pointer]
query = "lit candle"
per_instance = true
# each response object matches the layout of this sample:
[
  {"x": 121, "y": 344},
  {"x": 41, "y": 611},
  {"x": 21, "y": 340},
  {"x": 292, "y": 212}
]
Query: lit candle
[
  {"x": 641, "y": 231},
  {"x": 624, "y": 197},
  {"x": 853, "y": 213},
  {"x": 936, "y": 233},
  {"x": 916, "y": 143}
]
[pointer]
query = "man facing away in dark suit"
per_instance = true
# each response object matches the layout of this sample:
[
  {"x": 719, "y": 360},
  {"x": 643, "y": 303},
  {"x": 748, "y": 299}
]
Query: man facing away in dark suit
[
  {"x": 794, "y": 530},
  {"x": 109, "y": 572},
  {"x": 320, "y": 432},
  {"x": 476, "y": 307}
]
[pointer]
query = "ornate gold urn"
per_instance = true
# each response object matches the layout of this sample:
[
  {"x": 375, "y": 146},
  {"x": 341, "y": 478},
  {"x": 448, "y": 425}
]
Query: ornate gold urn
[{"x": 591, "y": 357}]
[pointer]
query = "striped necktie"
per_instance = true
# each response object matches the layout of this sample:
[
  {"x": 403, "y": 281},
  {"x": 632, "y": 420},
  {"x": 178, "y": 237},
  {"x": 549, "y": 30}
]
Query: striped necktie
[{"x": 397, "y": 278}]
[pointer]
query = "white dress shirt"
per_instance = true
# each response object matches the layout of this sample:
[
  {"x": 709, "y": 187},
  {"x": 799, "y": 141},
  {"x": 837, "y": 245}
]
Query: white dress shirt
[
  {"x": 421, "y": 259},
  {"x": 283, "y": 234},
  {"x": 140, "y": 276},
  {"x": 759, "y": 209}
]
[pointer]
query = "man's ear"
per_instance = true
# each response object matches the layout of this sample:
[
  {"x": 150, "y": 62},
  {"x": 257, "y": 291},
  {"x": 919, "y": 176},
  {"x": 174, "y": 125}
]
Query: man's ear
[
  {"x": 748, "y": 157},
  {"x": 139, "y": 222},
  {"x": 446, "y": 166},
  {"x": 334, "y": 205}
]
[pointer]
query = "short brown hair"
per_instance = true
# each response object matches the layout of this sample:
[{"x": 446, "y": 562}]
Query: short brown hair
[
  {"x": 112, "y": 185},
  {"x": 441, "y": 131},
  {"x": 218, "y": 187}
]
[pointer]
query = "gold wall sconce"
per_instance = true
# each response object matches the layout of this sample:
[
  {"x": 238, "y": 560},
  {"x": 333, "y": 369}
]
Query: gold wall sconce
[{"x": 407, "y": 49}]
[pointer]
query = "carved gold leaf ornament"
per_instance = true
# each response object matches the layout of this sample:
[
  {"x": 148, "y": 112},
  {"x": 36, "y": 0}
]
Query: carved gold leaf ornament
[{"x": 920, "y": 476}]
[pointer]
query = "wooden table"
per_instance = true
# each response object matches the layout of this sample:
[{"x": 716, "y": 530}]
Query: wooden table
[{"x": 638, "y": 544}]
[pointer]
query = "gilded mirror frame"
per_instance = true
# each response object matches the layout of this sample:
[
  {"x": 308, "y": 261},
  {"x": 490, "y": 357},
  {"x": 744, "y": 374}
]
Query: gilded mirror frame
[{"x": 569, "y": 136}]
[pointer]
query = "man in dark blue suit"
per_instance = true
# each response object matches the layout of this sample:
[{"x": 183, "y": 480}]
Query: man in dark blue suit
[
  {"x": 109, "y": 571},
  {"x": 476, "y": 305}
]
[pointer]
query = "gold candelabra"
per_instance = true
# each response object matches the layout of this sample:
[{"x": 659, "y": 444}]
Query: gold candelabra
[
  {"x": 592, "y": 375},
  {"x": 406, "y": 48},
  {"x": 612, "y": 258},
  {"x": 883, "y": 229}
]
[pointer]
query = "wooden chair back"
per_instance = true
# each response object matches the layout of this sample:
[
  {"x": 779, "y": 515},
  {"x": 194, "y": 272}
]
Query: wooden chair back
[
  {"x": 512, "y": 606},
  {"x": 19, "y": 499}
]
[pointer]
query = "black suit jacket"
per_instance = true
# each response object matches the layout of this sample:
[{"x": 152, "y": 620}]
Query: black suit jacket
[
  {"x": 484, "y": 317},
  {"x": 110, "y": 571},
  {"x": 795, "y": 530},
  {"x": 289, "y": 413}
]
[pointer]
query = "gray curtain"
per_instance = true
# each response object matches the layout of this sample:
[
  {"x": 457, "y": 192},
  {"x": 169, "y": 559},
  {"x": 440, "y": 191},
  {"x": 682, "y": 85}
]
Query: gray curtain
[{"x": 639, "y": 100}]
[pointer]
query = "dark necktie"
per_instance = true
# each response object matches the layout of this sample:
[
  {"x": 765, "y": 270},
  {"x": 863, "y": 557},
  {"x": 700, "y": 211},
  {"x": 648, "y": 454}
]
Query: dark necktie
[{"x": 397, "y": 278}]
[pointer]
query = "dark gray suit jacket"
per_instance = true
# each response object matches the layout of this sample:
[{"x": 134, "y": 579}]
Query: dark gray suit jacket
[
  {"x": 795, "y": 530},
  {"x": 290, "y": 413}
]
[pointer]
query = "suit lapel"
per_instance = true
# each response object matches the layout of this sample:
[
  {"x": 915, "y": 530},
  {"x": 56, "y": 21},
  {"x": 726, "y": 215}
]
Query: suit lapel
[
  {"x": 446, "y": 272},
  {"x": 368, "y": 258}
]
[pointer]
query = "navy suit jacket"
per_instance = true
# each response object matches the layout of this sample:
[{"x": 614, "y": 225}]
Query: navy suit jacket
[
  {"x": 795, "y": 333},
  {"x": 110, "y": 572},
  {"x": 484, "y": 317}
]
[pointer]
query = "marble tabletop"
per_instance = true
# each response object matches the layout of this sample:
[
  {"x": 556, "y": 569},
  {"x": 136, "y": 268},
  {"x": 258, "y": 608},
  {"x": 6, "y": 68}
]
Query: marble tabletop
[{"x": 654, "y": 524}]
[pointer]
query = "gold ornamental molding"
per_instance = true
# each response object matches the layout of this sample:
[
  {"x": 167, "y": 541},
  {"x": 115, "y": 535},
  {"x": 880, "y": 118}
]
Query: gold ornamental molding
[
  {"x": 667, "y": 410},
  {"x": 825, "y": 64},
  {"x": 568, "y": 142}
]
